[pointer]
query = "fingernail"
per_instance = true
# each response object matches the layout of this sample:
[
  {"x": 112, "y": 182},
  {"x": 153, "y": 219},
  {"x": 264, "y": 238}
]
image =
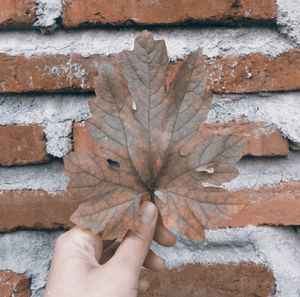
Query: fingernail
[{"x": 148, "y": 212}]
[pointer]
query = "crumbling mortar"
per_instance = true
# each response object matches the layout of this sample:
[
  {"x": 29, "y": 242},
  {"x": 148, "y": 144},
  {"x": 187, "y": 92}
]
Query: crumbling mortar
[{"x": 48, "y": 15}]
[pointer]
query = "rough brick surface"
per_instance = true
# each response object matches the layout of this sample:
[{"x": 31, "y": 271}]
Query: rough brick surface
[
  {"x": 17, "y": 13},
  {"x": 35, "y": 209},
  {"x": 260, "y": 141},
  {"x": 242, "y": 280},
  {"x": 256, "y": 73},
  {"x": 12, "y": 284},
  {"x": 20, "y": 145},
  {"x": 276, "y": 205},
  {"x": 79, "y": 12},
  {"x": 55, "y": 73},
  {"x": 234, "y": 74}
]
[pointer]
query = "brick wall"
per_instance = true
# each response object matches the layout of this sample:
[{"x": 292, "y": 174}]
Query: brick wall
[{"x": 48, "y": 51}]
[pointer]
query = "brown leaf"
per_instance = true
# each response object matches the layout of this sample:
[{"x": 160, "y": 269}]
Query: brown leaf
[
  {"x": 150, "y": 147},
  {"x": 187, "y": 198},
  {"x": 112, "y": 196},
  {"x": 145, "y": 70}
]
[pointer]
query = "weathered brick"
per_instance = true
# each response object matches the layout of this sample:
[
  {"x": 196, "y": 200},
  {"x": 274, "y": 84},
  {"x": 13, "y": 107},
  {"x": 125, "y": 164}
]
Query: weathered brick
[
  {"x": 35, "y": 209},
  {"x": 222, "y": 280},
  {"x": 277, "y": 205},
  {"x": 234, "y": 74},
  {"x": 144, "y": 12},
  {"x": 274, "y": 205},
  {"x": 20, "y": 145},
  {"x": 48, "y": 73},
  {"x": 17, "y": 13},
  {"x": 12, "y": 284},
  {"x": 256, "y": 73}
]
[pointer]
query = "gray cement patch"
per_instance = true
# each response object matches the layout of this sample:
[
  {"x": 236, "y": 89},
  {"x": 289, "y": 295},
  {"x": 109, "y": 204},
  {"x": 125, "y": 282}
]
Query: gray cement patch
[
  {"x": 28, "y": 252},
  {"x": 281, "y": 249}
]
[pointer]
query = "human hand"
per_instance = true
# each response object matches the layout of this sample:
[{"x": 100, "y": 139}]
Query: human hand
[{"x": 75, "y": 270}]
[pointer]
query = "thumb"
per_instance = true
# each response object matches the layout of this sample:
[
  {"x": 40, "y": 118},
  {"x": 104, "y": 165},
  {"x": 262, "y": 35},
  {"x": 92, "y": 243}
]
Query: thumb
[{"x": 133, "y": 251}]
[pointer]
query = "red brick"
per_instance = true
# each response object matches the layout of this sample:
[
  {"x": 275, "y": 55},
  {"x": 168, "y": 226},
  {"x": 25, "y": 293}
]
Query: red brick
[
  {"x": 48, "y": 73},
  {"x": 17, "y": 13},
  {"x": 12, "y": 284},
  {"x": 256, "y": 73},
  {"x": 234, "y": 74},
  {"x": 277, "y": 205},
  {"x": 254, "y": 9},
  {"x": 35, "y": 209},
  {"x": 20, "y": 145},
  {"x": 80, "y": 12},
  {"x": 274, "y": 205},
  {"x": 218, "y": 280}
]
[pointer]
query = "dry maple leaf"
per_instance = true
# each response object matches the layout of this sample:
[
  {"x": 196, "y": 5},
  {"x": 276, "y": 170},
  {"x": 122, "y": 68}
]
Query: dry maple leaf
[{"x": 150, "y": 147}]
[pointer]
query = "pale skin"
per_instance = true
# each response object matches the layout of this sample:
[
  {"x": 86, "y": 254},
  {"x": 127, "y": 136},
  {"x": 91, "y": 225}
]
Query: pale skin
[{"x": 85, "y": 266}]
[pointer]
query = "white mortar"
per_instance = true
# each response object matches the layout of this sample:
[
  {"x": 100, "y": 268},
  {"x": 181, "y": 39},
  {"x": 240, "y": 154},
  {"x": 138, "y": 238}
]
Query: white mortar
[
  {"x": 48, "y": 177},
  {"x": 59, "y": 138},
  {"x": 257, "y": 172},
  {"x": 35, "y": 109},
  {"x": 180, "y": 42},
  {"x": 288, "y": 19},
  {"x": 47, "y": 14}
]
